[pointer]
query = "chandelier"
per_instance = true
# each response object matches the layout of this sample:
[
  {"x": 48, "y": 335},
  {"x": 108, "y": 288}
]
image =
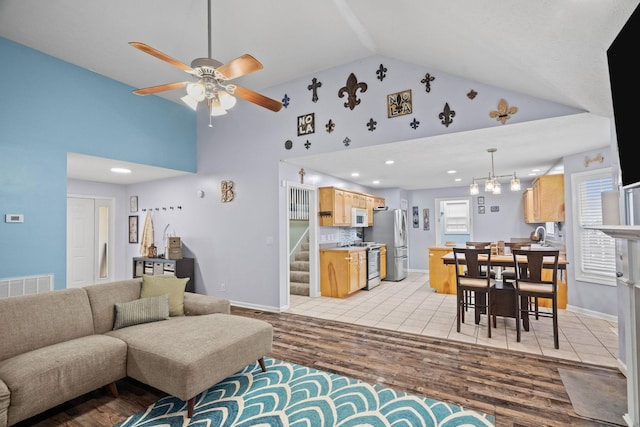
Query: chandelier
[{"x": 492, "y": 184}]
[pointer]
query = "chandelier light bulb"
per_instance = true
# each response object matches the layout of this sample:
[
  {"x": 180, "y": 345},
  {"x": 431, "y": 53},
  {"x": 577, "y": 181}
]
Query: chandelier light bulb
[
  {"x": 515, "y": 183},
  {"x": 496, "y": 188},
  {"x": 473, "y": 189}
]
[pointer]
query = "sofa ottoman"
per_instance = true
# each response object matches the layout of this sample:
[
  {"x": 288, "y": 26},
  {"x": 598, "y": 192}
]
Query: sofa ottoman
[{"x": 187, "y": 355}]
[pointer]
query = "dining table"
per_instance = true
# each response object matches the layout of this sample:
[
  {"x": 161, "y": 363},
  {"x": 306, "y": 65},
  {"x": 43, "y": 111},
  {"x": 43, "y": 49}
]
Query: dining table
[{"x": 503, "y": 303}]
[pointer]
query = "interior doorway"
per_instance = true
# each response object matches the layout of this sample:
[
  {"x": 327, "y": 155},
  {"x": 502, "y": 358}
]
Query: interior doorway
[
  {"x": 454, "y": 220},
  {"x": 302, "y": 226},
  {"x": 90, "y": 240}
]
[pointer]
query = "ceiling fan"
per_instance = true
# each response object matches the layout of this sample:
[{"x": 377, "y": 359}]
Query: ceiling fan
[{"x": 212, "y": 80}]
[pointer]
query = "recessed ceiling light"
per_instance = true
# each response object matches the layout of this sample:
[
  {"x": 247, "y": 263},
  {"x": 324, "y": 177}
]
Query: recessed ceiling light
[
  {"x": 376, "y": 182},
  {"x": 452, "y": 171},
  {"x": 355, "y": 174},
  {"x": 458, "y": 179},
  {"x": 120, "y": 170},
  {"x": 389, "y": 162},
  {"x": 535, "y": 170}
]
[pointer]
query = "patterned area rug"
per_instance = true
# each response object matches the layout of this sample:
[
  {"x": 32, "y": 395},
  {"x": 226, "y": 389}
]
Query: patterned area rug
[{"x": 294, "y": 395}]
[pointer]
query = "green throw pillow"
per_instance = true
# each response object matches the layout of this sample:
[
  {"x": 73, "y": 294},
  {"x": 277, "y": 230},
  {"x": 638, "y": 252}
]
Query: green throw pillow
[
  {"x": 143, "y": 310},
  {"x": 152, "y": 286}
]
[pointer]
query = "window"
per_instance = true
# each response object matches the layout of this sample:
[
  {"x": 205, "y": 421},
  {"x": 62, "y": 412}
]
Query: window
[
  {"x": 456, "y": 217},
  {"x": 594, "y": 250}
]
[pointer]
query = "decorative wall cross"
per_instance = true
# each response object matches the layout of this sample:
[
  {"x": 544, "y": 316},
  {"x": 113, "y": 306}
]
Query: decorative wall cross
[
  {"x": 315, "y": 84},
  {"x": 302, "y": 174},
  {"x": 428, "y": 78}
]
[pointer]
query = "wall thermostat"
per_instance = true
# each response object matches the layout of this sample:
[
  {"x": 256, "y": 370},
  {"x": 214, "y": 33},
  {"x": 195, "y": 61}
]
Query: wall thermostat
[{"x": 14, "y": 218}]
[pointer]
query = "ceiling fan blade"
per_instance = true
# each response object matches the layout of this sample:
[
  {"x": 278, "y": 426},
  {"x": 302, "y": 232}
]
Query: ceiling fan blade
[
  {"x": 160, "y": 88},
  {"x": 155, "y": 52},
  {"x": 240, "y": 66},
  {"x": 256, "y": 98}
]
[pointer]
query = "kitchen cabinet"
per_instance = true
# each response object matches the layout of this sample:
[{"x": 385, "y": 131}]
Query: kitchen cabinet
[
  {"x": 442, "y": 277},
  {"x": 161, "y": 266},
  {"x": 342, "y": 271},
  {"x": 383, "y": 261},
  {"x": 335, "y": 206},
  {"x": 548, "y": 198},
  {"x": 527, "y": 206}
]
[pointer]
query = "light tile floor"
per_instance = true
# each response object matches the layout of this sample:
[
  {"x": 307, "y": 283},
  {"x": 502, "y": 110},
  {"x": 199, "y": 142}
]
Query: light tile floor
[{"x": 410, "y": 305}]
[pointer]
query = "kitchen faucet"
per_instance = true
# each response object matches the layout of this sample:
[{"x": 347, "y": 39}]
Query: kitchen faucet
[{"x": 537, "y": 233}]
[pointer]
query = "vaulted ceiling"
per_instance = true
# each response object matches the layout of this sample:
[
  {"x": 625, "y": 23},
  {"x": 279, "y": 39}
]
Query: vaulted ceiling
[{"x": 554, "y": 50}]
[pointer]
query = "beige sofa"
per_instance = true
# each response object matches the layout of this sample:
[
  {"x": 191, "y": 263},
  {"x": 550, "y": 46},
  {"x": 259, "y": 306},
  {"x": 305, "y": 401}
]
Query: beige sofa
[{"x": 58, "y": 345}]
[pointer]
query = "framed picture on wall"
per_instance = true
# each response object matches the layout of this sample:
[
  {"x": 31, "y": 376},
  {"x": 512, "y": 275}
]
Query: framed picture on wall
[
  {"x": 480, "y": 209},
  {"x": 481, "y": 200},
  {"x": 133, "y": 228},
  {"x": 133, "y": 204}
]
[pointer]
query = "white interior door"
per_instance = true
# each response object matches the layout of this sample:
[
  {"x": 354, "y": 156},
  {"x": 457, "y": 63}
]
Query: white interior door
[{"x": 89, "y": 241}]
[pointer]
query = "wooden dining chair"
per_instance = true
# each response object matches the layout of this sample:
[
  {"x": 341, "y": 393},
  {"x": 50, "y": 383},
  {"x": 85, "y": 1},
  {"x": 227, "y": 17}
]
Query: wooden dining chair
[
  {"x": 473, "y": 281},
  {"x": 509, "y": 274},
  {"x": 529, "y": 283}
]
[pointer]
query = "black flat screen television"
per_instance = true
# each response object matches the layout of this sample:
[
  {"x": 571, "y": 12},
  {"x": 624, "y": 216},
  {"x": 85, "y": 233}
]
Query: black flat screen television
[{"x": 625, "y": 93}]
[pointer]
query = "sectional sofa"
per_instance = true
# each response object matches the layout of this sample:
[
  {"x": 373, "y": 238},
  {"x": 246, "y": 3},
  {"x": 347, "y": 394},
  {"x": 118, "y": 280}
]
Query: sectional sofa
[{"x": 58, "y": 345}]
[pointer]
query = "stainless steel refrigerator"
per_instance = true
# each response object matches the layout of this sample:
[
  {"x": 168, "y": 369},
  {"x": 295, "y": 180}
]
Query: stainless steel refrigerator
[{"x": 390, "y": 227}]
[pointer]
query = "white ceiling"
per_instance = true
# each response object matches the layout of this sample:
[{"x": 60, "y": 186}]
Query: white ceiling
[{"x": 550, "y": 49}]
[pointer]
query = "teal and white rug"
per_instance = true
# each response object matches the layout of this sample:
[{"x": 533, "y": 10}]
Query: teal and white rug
[{"x": 293, "y": 395}]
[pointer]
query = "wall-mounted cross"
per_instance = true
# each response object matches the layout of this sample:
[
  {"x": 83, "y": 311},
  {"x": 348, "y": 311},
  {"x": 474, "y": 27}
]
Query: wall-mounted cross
[
  {"x": 315, "y": 84},
  {"x": 302, "y": 173}
]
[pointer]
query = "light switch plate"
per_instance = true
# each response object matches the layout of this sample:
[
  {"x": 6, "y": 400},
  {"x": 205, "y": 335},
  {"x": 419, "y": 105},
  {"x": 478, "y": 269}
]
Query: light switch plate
[{"x": 14, "y": 218}]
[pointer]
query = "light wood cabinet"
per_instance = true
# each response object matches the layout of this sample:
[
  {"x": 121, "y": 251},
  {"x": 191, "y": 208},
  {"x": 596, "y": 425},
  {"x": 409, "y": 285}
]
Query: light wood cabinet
[
  {"x": 442, "y": 277},
  {"x": 335, "y": 205},
  {"x": 383, "y": 262},
  {"x": 548, "y": 198},
  {"x": 527, "y": 206},
  {"x": 342, "y": 272}
]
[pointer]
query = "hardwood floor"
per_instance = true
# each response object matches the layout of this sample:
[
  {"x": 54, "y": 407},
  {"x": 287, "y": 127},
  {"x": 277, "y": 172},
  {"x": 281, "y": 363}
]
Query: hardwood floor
[{"x": 518, "y": 389}]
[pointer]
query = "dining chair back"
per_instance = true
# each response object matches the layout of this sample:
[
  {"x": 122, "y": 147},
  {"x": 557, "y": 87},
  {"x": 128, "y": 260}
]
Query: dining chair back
[
  {"x": 508, "y": 273},
  {"x": 473, "y": 281},
  {"x": 531, "y": 284}
]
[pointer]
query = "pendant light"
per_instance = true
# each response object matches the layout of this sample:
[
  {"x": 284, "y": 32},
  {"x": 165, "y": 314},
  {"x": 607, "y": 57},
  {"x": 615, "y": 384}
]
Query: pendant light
[{"x": 491, "y": 184}]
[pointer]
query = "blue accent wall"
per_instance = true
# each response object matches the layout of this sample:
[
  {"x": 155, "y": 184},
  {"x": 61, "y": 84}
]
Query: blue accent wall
[{"x": 48, "y": 108}]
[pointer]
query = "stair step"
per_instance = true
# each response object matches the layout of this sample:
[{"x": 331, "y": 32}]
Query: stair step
[
  {"x": 297, "y": 288},
  {"x": 302, "y": 256},
  {"x": 299, "y": 276},
  {"x": 299, "y": 266}
]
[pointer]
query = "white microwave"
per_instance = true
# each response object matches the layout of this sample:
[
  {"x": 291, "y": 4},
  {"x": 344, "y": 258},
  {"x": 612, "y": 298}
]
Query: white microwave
[{"x": 359, "y": 217}]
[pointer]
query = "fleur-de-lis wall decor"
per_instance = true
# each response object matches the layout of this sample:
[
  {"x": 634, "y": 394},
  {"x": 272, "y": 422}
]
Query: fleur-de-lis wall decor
[
  {"x": 504, "y": 112},
  {"x": 371, "y": 124},
  {"x": 414, "y": 124},
  {"x": 286, "y": 100},
  {"x": 351, "y": 90},
  {"x": 381, "y": 72},
  {"x": 330, "y": 126},
  {"x": 315, "y": 84},
  {"x": 428, "y": 78},
  {"x": 307, "y": 144},
  {"x": 447, "y": 115},
  {"x": 472, "y": 94}
]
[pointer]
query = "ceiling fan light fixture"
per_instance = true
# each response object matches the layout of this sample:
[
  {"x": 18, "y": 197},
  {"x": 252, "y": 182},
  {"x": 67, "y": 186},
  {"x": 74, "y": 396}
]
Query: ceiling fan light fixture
[
  {"x": 192, "y": 103},
  {"x": 196, "y": 91},
  {"x": 226, "y": 101}
]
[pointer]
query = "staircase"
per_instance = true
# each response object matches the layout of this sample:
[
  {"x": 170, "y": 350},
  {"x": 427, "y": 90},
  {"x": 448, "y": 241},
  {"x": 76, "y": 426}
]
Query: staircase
[{"x": 299, "y": 271}]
